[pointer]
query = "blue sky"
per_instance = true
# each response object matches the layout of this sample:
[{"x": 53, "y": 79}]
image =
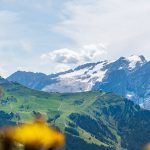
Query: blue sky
[{"x": 55, "y": 35}]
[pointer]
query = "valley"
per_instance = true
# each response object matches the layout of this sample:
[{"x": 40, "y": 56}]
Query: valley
[{"x": 91, "y": 120}]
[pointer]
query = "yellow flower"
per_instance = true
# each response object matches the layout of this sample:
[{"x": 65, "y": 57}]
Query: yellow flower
[
  {"x": 38, "y": 134},
  {"x": 147, "y": 147}
]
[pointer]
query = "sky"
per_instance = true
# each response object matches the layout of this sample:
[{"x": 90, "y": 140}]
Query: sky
[{"x": 50, "y": 36}]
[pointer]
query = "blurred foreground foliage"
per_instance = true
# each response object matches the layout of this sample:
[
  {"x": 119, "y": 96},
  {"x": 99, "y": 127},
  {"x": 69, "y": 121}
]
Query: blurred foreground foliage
[{"x": 34, "y": 136}]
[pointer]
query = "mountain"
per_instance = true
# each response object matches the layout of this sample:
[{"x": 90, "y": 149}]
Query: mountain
[
  {"x": 33, "y": 80},
  {"x": 90, "y": 120},
  {"x": 139, "y": 85},
  {"x": 85, "y": 76},
  {"x": 120, "y": 77}
]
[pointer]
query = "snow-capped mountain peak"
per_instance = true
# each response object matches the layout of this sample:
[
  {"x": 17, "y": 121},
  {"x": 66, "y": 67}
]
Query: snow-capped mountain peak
[
  {"x": 86, "y": 76},
  {"x": 80, "y": 79},
  {"x": 135, "y": 60},
  {"x": 94, "y": 70}
]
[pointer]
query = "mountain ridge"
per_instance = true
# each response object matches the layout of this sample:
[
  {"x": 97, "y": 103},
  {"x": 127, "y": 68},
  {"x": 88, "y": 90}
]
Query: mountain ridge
[
  {"x": 90, "y": 120},
  {"x": 116, "y": 76}
]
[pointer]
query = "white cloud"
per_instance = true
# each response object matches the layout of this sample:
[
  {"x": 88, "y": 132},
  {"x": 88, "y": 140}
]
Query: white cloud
[
  {"x": 12, "y": 46},
  {"x": 123, "y": 24},
  {"x": 11, "y": 37},
  {"x": 60, "y": 67},
  {"x": 64, "y": 56},
  {"x": 30, "y": 28},
  {"x": 93, "y": 52},
  {"x": 67, "y": 58},
  {"x": 2, "y": 71}
]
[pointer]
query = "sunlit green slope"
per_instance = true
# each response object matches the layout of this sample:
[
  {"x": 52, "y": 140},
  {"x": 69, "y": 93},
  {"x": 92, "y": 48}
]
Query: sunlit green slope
[{"x": 91, "y": 120}]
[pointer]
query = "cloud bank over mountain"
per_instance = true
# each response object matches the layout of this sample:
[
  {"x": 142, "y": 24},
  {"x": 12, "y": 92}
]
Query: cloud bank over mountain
[
  {"x": 69, "y": 57},
  {"x": 30, "y": 30}
]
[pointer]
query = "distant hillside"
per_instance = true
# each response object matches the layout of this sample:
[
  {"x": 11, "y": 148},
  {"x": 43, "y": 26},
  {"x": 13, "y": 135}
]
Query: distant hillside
[
  {"x": 32, "y": 80},
  {"x": 128, "y": 77},
  {"x": 90, "y": 120}
]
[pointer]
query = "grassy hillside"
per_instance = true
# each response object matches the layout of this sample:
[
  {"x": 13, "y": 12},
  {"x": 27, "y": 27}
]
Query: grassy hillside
[{"x": 90, "y": 120}]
